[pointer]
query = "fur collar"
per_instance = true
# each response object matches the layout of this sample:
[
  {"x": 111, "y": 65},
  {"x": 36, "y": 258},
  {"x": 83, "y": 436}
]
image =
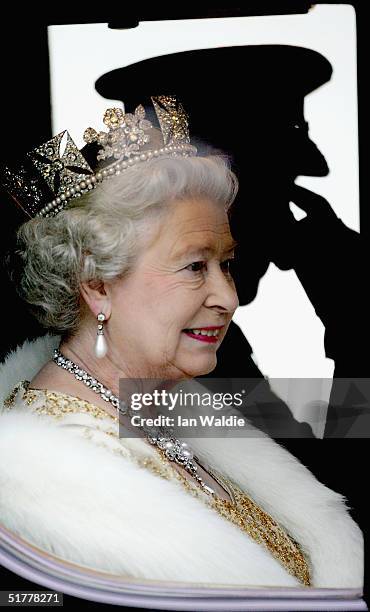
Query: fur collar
[{"x": 79, "y": 501}]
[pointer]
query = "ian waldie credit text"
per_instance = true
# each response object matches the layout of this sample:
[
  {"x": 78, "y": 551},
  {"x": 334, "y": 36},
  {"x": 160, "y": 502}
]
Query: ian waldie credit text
[{"x": 203, "y": 420}]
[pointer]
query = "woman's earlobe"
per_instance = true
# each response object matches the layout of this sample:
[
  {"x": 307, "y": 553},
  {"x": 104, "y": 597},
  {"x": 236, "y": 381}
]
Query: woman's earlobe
[{"x": 95, "y": 297}]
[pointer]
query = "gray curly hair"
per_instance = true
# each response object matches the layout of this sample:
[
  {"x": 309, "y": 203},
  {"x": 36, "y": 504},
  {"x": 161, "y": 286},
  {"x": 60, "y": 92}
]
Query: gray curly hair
[{"x": 100, "y": 235}]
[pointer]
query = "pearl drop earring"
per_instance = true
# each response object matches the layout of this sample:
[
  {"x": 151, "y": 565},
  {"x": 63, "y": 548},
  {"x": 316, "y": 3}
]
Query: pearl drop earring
[{"x": 101, "y": 347}]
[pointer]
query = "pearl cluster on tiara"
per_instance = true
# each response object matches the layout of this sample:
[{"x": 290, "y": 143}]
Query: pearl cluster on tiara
[
  {"x": 88, "y": 183},
  {"x": 57, "y": 171}
]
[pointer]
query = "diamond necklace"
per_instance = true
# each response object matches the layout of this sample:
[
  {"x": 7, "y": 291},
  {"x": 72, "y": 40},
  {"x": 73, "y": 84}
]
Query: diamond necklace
[{"x": 159, "y": 436}]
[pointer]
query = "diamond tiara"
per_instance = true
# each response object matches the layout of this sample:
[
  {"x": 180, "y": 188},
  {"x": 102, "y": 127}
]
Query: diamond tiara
[{"x": 57, "y": 171}]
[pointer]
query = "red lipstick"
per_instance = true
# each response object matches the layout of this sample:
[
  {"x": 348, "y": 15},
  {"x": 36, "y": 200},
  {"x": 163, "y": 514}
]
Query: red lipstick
[{"x": 203, "y": 337}]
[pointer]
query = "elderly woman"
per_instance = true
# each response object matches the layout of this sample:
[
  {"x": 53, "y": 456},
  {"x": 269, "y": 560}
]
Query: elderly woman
[{"x": 132, "y": 279}]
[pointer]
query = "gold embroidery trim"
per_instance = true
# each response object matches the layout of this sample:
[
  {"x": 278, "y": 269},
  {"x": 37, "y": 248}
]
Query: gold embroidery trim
[
  {"x": 59, "y": 404},
  {"x": 246, "y": 514},
  {"x": 12, "y": 395}
]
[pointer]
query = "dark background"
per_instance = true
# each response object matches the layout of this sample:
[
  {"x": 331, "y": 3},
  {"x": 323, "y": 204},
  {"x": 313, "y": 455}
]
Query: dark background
[{"x": 340, "y": 464}]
